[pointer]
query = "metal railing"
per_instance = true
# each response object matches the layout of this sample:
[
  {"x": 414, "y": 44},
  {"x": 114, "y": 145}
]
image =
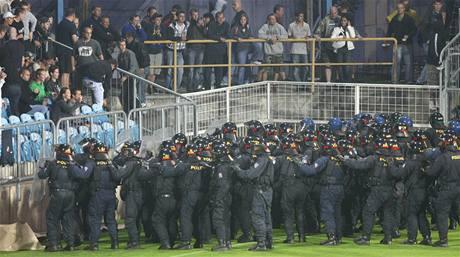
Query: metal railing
[
  {"x": 292, "y": 101},
  {"x": 311, "y": 42},
  {"x": 449, "y": 76}
]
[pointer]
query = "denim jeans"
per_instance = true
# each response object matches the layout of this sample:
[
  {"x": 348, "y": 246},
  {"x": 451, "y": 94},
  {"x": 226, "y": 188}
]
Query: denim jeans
[
  {"x": 13, "y": 93},
  {"x": 343, "y": 57},
  {"x": 97, "y": 88},
  {"x": 404, "y": 54},
  {"x": 180, "y": 71},
  {"x": 423, "y": 78},
  {"x": 300, "y": 72},
  {"x": 194, "y": 56},
  {"x": 242, "y": 58}
]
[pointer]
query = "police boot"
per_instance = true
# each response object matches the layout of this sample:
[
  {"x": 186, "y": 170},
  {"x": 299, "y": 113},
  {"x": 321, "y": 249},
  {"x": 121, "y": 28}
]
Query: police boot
[
  {"x": 51, "y": 248},
  {"x": 92, "y": 247},
  {"x": 164, "y": 246},
  {"x": 410, "y": 242},
  {"x": 198, "y": 244},
  {"x": 114, "y": 244},
  {"x": 302, "y": 238},
  {"x": 260, "y": 246},
  {"x": 386, "y": 241},
  {"x": 132, "y": 245},
  {"x": 184, "y": 246},
  {"x": 222, "y": 246},
  {"x": 269, "y": 242},
  {"x": 77, "y": 242},
  {"x": 453, "y": 225},
  {"x": 229, "y": 244},
  {"x": 364, "y": 240},
  {"x": 69, "y": 247},
  {"x": 331, "y": 240},
  {"x": 244, "y": 239},
  {"x": 426, "y": 241},
  {"x": 441, "y": 243}
]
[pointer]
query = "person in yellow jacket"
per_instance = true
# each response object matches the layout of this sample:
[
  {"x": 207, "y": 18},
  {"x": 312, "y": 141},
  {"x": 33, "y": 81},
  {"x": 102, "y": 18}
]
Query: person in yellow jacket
[{"x": 411, "y": 12}]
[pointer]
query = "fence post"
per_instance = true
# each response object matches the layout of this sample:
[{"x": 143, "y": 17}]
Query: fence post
[
  {"x": 395, "y": 62},
  {"x": 313, "y": 63},
  {"x": 268, "y": 102},
  {"x": 163, "y": 124},
  {"x": 229, "y": 67},
  {"x": 18, "y": 150},
  {"x": 357, "y": 99},
  {"x": 195, "y": 121},
  {"x": 227, "y": 102}
]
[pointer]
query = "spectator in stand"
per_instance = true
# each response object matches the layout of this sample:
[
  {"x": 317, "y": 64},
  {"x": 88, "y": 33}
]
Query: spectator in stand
[
  {"x": 171, "y": 16},
  {"x": 30, "y": 23},
  {"x": 8, "y": 19},
  {"x": 155, "y": 50},
  {"x": 324, "y": 30},
  {"x": 107, "y": 36},
  {"x": 272, "y": 32},
  {"x": 134, "y": 25},
  {"x": 219, "y": 30},
  {"x": 242, "y": 31},
  {"x": 64, "y": 105},
  {"x": 409, "y": 11},
  {"x": 238, "y": 9},
  {"x": 127, "y": 61},
  {"x": 343, "y": 48},
  {"x": 147, "y": 22},
  {"x": 66, "y": 33},
  {"x": 177, "y": 31},
  {"x": 52, "y": 84},
  {"x": 77, "y": 98},
  {"x": 18, "y": 23},
  {"x": 86, "y": 52},
  {"x": 299, "y": 29},
  {"x": 435, "y": 18},
  {"x": 27, "y": 97},
  {"x": 3, "y": 31},
  {"x": 143, "y": 60},
  {"x": 40, "y": 38},
  {"x": 94, "y": 20},
  {"x": 437, "y": 42},
  {"x": 12, "y": 62},
  {"x": 278, "y": 11},
  {"x": 195, "y": 52},
  {"x": 98, "y": 79},
  {"x": 402, "y": 27},
  {"x": 77, "y": 25},
  {"x": 41, "y": 100}
]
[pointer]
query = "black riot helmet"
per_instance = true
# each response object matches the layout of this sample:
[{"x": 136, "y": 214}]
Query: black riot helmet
[
  {"x": 101, "y": 152},
  {"x": 179, "y": 139},
  {"x": 381, "y": 145},
  {"x": 191, "y": 150},
  {"x": 417, "y": 147},
  {"x": 220, "y": 150},
  {"x": 270, "y": 130},
  {"x": 130, "y": 149},
  {"x": 168, "y": 144},
  {"x": 255, "y": 128},
  {"x": 437, "y": 120},
  {"x": 284, "y": 129},
  {"x": 229, "y": 128},
  {"x": 166, "y": 154},
  {"x": 87, "y": 144},
  {"x": 329, "y": 147},
  {"x": 64, "y": 152},
  {"x": 401, "y": 130},
  {"x": 289, "y": 142}
]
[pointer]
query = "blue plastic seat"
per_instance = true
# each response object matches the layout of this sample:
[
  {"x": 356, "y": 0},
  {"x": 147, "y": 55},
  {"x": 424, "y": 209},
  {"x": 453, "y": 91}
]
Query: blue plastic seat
[
  {"x": 86, "y": 110},
  {"x": 108, "y": 140},
  {"x": 38, "y": 116},
  {"x": 134, "y": 129},
  {"x": 35, "y": 146},
  {"x": 61, "y": 136},
  {"x": 97, "y": 108}
]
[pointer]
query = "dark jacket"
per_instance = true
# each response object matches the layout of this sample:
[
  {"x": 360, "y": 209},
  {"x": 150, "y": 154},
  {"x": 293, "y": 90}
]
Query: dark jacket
[
  {"x": 100, "y": 71},
  {"x": 195, "y": 32},
  {"x": 27, "y": 97},
  {"x": 399, "y": 28},
  {"x": 215, "y": 32},
  {"x": 62, "y": 109},
  {"x": 243, "y": 33},
  {"x": 143, "y": 58},
  {"x": 106, "y": 38}
]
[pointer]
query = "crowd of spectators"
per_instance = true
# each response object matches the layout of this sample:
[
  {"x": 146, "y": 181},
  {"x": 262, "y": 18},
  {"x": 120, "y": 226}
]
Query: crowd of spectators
[{"x": 42, "y": 76}]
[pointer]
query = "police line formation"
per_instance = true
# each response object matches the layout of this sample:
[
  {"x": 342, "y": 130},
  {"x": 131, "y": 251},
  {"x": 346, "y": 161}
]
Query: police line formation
[{"x": 341, "y": 174}]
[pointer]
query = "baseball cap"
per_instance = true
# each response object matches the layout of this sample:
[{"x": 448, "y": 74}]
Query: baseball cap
[{"x": 8, "y": 15}]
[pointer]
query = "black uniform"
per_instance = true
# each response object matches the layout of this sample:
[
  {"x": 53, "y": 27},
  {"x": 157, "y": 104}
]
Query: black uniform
[
  {"x": 261, "y": 174},
  {"x": 61, "y": 180},
  {"x": 416, "y": 183},
  {"x": 242, "y": 198},
  {"x": 165, "y": 215},
  {"x": 193, "y": 184},
  {"x": 103, "y": 182},
  {"x": 331, "y": 179},
  {"x": 447, "y": 170},
  {"x": 221, "y": 198},
  {"x": 381, "y": 183},
  {"x": 132, "y": 175},
  {"x": 293, "y": 195}
]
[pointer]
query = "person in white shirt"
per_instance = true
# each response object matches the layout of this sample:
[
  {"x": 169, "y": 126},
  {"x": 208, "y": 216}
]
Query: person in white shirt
[
  {"x": 299, "y": 29},
  {"x": 343, "y": 48}
]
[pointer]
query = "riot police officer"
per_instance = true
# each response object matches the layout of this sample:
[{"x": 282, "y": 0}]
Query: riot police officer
[
  {"x": 132, "y": 172},
  {"x": 103, "y": 181},
  {"x": 164, "y": 181},
  {"x": 180, "y": 141},
  {"x": 261, "y": 174},
  {"x": 293, "y": 188},
  {"x": 331, "y": 180},
  {"x": 381, "y": 183},
  {"x": 221, "y": 197},
  {"x": 61, "y": 174},
  {"x": 446, "y": 169}
]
